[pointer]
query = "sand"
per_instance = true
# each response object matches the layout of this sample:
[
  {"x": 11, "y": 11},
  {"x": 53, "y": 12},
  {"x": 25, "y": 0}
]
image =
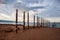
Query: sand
[{"x": 29, "y": 34}]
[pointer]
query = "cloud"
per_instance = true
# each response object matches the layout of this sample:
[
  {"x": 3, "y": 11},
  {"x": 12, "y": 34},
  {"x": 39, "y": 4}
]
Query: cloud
[
  {"x": 38, "y": 7},
  {"x": 35, "y": 4},
  {"x": 30, "y": 1},
  {"x": 23, "y": 6},
  {"x": 52, "y": 19},
  {"x": 7, "y": 1},
  {"x": 52, "y": 11},
  {"x": 4, "y": 17},
  {"x": 19, "y": 1},
  {"x": 2, "y": 2},
  {"x": 41, "y": 8}
]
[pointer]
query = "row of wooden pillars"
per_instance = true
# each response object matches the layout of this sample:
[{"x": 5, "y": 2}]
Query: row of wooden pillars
[
  {"x": 28, "y": 21},
  {"x": 23, "y": 20},
  {"x": 38, "y": 24}
]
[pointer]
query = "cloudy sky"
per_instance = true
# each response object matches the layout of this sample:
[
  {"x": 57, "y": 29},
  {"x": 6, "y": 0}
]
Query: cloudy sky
[{"x": 48, "y": 9}]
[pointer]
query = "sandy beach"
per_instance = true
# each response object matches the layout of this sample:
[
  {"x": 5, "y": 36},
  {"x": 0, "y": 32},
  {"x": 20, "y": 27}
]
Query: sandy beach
[{"x": 6, "y": 33}]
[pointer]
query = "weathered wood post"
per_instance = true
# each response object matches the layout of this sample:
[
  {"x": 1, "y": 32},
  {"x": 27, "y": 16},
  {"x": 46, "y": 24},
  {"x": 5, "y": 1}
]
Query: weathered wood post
[
  {"x": 49, "y": 23},
  {"x": 34, "y": 22},
  {"x": 24, "y": 20},
  {"x": 44, "y": 22},
  {"x": 16, "y": 20},
  {"x": 28, "y": 20},
  {"x": 37, "y": 21},
  {"x": 41, "y": 22}
]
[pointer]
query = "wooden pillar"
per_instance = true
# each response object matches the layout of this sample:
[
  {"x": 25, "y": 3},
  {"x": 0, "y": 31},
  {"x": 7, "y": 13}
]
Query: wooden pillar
[
  {"x": 24, "y": 20},
  {"x": 16, "y": 20},
  {"x": 34, "y": 22},
  {"x": 49, "y": 23},
  {"x": 37, "y": 21},
  {"x": 41, "y": 22},
  {"x": 28, "y": 20}
]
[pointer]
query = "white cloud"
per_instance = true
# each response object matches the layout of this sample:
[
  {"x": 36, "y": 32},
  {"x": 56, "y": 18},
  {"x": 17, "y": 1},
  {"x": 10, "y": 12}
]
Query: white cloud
[
  {"x": 31, "y": 12},
  {"x": 56, "y": 19},
  {"x": 37, "y": 4},
  {"x": 1, "y": 5},
  {"x": 4, "y": 17},
  {"x": 19, "y": 1},
  {"x": 46, "y": 3}
]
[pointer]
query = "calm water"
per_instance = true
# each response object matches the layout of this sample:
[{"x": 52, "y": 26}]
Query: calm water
[{"x": 57, "y": 25}]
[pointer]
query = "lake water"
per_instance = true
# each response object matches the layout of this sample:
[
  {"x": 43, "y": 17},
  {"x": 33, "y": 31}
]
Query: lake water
[{"x": 31, "y": 24}]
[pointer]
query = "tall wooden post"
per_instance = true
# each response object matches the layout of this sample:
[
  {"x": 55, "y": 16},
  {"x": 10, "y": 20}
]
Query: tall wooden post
[
  {"x": 37, "y": 21},
  {"x": 41, "y": 22},
  {"x": 24, "y": 20},
  {"x": 44, "y": 22},
  {"x": 28, "y": 20},
  {"x": 16, "y": 19},
  {"x": 49, "y": 23},
  {"x": 34, "y": 22}
]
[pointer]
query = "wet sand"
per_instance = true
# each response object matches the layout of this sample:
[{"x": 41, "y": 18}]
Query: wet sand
[{"x": 29, "y": 34}]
